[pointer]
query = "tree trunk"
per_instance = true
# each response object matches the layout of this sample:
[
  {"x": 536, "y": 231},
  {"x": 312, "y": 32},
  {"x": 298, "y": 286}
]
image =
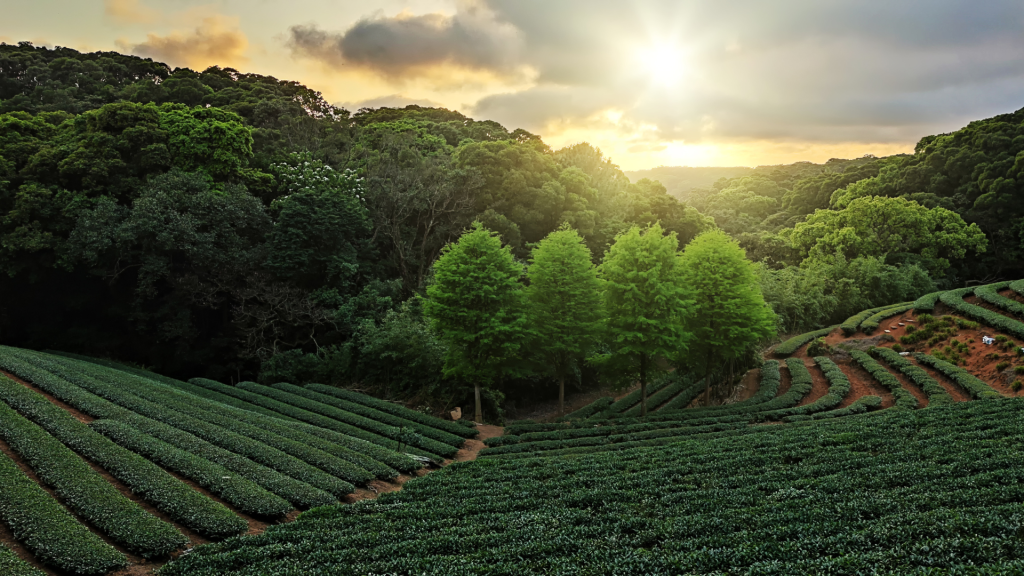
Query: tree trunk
[
  {"x": 479, "y": 417},
  {"x": 561, "y": 396},
  {"x": 643, "y": 385}
]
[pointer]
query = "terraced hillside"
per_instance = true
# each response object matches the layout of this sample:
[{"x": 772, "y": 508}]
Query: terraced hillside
[
  {"x": 105, "y": 466},
  {"x": 889, "y": 444}
]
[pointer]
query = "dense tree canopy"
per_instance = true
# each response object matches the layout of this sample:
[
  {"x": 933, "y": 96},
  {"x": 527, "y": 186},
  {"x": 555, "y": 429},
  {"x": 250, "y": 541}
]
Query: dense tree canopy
[
  {"x": 228, "y": 224},
  {"x": 476, "y": 304},
  {"x": 646, "y": 300},
  {"x": 564, "y": 305}
]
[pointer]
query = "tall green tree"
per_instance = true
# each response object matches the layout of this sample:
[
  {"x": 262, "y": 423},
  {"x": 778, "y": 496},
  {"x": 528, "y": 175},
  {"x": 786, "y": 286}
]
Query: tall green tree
[
  {"x": 646, "y": 302},
  {"x": 476, "y": 303},
  {"x": 729, "y": 313},
  {"x": 564, "y": 303}
]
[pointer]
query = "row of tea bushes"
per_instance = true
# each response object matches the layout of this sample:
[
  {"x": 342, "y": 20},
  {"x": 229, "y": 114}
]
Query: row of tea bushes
[
  {"x": 856, "y": 495},
  {"x": 902, "y": 399},
  {"x": 937, "y": 395}
]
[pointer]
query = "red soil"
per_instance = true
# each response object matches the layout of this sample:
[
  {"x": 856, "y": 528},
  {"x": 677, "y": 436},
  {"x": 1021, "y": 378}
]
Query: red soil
[
  {"x": 819, "y": 384},
  {"x": 956, "y": 392},
  {"x": 862, "y": 384},
  {"x": 785, "y": 379}
]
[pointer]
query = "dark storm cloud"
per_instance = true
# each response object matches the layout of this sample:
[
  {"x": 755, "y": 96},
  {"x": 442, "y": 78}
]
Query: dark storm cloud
[
  {"x": 851, "y": 70},
  {"x": 402, "y": 44}
]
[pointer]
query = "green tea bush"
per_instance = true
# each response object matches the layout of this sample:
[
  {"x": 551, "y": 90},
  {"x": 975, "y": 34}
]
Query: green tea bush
[
  {"x": 790, "y": 346},
  {"x": 434, "y": 440},
  {"x": 345, "y": 422},
  {"x": 85, "y": 492},
  {"x": 927, "y": 302},
  {"x": 11, "y": 565},
  {"x": 965, "y": 379},
  {"x": 147, "y": 480},
  {"x": 321, "y": 425},
  {"x": 298, "y": 493},
  {"x": 990, "y": 294},
  {"x": 587, "y": 411},
  {"x": 461, "y": 428},
  {"x": 888, "y": 490},
  {"x": 245, "y": 495},
  {"x": 937, "y": 395},
  {"x": 630, "y": 400},
  {"x": 902, "y": 399},
  {"x": 871, "y": 323},
  {"x": 955, "y": 300},
  {"x": 47, "y": 530},
  {"x": 115, "y": 388}
]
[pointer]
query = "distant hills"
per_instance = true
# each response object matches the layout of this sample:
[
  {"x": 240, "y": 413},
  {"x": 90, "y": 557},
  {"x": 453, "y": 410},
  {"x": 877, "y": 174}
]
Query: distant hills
[{"x": 679, "y": 180}]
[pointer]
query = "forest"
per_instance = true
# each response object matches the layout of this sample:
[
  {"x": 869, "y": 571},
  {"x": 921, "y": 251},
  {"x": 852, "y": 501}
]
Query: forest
[{"x": 239, "y": 227}]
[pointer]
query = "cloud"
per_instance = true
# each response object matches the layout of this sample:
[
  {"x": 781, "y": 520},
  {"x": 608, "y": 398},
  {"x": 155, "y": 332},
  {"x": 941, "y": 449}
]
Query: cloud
[
  {"x": 406, "y": 44},
  {"x": 389, "y": 101},
  {"x": 799, "y": 70},
  {"x": 130, "y": 12},
  {"x": 216, "y": 40}
]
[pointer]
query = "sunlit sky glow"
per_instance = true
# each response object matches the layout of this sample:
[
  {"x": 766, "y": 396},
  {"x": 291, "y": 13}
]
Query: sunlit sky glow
[{"x": 655, "y": 82}]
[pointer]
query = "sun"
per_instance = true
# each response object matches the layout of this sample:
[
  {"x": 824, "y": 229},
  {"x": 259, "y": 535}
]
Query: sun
[{"x": 665, "y": 63}]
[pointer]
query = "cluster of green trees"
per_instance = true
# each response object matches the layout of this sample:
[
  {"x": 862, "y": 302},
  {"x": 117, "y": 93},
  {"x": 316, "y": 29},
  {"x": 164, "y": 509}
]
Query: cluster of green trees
[
  {"x": 645, "y": 305},
  {"x": 237, "y": 226}
]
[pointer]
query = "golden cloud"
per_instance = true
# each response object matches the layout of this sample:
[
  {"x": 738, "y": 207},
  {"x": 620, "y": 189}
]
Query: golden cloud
[
  {"x": 130, "y": 12},
  {"x": 217, "y": 40}
]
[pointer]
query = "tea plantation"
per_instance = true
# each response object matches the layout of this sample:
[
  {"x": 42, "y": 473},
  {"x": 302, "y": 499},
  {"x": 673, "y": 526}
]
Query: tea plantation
[{"x": 890, "y": 444}]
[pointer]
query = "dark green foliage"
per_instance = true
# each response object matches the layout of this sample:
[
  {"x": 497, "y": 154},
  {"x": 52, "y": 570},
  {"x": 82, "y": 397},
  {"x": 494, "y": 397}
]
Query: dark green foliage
[
  {"x": 164, "y": 492},
  {"x": 350, "y": 437},
  {"x": 241, "y": 493},
  {"x": 955, "y": 300},
  {"x": 48, "y": 376},
  {"x": 793, "y": 344},
  {"x": 990, "y": 294},
  {"x": 963, "y": 378},
  {"x": 11, "y": 565},
  {"x": 47, "y": 530},
  {"x": 937, "y": 395},
  {"x": 903, "y": 399},
  {"x": 396, "y": 410},
  {"x": 599, "y": 405},
  {"x": 434, "y": 440},
  {"x": 927, "y": 302},
  {"x": 869, "y": 325},
  {"x": 85, "y": 492},
  {"x": 840, "y": 473}
]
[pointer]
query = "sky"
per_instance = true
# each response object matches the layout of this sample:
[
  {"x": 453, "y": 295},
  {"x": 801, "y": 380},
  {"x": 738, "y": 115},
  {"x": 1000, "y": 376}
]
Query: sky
[{"x": 649, "y": 82}]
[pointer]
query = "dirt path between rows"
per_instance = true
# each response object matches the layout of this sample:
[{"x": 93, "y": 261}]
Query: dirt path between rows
[
  {"x": 863, "y": 384},
  {"x": 819, "y": 384}
]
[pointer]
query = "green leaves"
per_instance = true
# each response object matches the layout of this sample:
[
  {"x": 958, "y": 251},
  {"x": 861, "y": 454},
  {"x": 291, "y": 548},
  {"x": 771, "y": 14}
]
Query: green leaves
[
  {"x": 476, "y": 303},
  {"x": 729, "y": 313},
  {"x": 880, "y": 226},
  {"x": 645, "y": 298}
]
